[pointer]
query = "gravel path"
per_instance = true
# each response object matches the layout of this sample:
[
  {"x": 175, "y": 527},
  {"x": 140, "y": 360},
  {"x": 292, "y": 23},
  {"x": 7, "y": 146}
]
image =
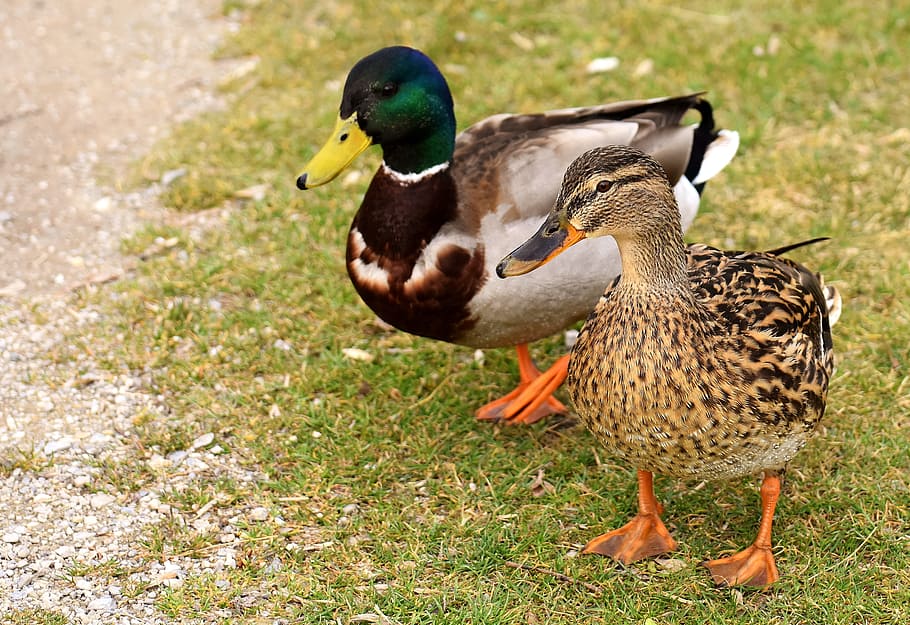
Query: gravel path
[{"x": 86, "y": 86}]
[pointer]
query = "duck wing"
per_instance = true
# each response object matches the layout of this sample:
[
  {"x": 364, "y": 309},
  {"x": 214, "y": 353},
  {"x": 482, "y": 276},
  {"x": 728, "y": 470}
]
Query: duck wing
[
  {"x": 516, "y": 162},
  {"x": 765, "y": 295}
]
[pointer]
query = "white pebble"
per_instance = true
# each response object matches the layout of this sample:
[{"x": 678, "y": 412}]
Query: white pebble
[
  {"x": 259, "y": 514},
  {"x": 203, "y": 441},
  {"x": 177, "y": 456},
  {"x": 99, "y": 500},
  {"x": 644, "y": 67},
  {"x": 355, "y": 353},
  {"x": 603, "y": 64},
  {"x": 158, "y": 462},
  {"x": 168, "y": 177},
  {"x": 102, "y": 604},
  {"x": 52, "y": 447},
  {"x": 282, "y": 345},
  {"x": 103, "y": 204},
  {"x": 202, "y": 525},
  {"x": 11, "y": 537}
]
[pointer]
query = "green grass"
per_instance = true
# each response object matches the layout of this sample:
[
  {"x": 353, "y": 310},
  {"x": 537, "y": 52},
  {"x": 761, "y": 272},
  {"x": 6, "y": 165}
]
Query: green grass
[
  {"x": 446, "y": 528},
  {"x": 25, "y": 460},
  {"x": 36, "y": 617}
]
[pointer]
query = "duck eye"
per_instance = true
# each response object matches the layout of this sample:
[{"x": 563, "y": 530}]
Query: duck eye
[
  {"x": 389, "y": 89},
  {"x": 603, "y": 186}
]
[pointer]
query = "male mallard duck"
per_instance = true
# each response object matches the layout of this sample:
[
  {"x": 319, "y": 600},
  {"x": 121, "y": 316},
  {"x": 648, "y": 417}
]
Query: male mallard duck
[
  {"x": 442, "y": 209},
  {"x": 695, "y": 363}
]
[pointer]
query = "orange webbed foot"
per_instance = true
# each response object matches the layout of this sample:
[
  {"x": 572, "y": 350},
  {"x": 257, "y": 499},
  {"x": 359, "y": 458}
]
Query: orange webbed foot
[
  {"x": 753, "y": 566},
  {"x": 521, "y": 412},
  {"x": 532, "y": 399},
  {"x": 642, "y": 537}
]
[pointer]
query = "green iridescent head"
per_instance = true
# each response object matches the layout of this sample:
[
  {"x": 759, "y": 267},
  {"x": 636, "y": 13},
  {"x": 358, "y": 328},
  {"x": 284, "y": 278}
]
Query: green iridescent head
[{"x": 397, "y": 98}]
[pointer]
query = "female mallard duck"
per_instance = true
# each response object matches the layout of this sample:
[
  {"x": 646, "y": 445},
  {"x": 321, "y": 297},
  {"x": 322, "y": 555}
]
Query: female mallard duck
[
  {"x": 442, "y": 209},
  {"x": 695, "y": 363}
]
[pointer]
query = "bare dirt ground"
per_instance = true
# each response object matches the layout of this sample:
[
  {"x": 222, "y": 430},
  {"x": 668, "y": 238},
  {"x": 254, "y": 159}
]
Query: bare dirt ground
[{"x": 86, "y": 86}]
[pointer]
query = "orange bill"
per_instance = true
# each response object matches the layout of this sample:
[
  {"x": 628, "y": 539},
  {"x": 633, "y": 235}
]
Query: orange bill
[{"x": 554, "y": 236}]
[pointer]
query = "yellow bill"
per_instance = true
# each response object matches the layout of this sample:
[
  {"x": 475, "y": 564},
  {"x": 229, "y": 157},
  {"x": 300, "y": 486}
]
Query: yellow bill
[{"x": 345, "y": 143}]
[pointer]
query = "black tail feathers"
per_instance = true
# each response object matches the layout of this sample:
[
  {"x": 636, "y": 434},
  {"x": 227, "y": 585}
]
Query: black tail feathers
[{"x": 704, "y": 134}]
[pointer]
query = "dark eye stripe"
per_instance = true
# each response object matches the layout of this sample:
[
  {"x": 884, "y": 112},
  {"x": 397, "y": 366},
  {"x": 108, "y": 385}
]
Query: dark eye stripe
[{"x": 630, "y": 179}]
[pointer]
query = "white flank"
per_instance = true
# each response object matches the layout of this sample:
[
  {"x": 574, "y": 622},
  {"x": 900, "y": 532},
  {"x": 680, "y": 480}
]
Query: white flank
[
  {"x": 524, "y": 308},
  {"x": 409, "y": 179}
]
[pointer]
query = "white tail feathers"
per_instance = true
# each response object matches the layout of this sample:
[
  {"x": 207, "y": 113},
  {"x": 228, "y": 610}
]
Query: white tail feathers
[
  {"x": 834, "y": 302},
  {"x": 718, "y": 155},
  {"x": 687, "y": 199}
]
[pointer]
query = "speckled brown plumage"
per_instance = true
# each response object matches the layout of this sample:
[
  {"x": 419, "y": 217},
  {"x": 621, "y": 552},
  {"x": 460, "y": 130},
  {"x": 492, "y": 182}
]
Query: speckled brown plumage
[
  {"x": 726, "y": 375},
  {"x": 696, "y": 362}
]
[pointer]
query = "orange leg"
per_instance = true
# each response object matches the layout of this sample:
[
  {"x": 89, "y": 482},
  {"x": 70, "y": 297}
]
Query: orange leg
[
  {"x": 753, "y": 566},
  {"x": 643, "y": 536},
  {"x": 532, "y": 399}
]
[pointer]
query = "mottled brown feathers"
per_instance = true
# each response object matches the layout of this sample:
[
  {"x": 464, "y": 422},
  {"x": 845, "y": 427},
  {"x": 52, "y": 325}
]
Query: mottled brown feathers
[
  {"x": 727, "y": 379},
  {"x": 695, "y": 362}
]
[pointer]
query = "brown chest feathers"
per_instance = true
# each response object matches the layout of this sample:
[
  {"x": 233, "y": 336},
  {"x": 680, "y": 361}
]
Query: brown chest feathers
[
  {"x": 699, "y": 385},
  {"x": 408, "y": 260}
]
